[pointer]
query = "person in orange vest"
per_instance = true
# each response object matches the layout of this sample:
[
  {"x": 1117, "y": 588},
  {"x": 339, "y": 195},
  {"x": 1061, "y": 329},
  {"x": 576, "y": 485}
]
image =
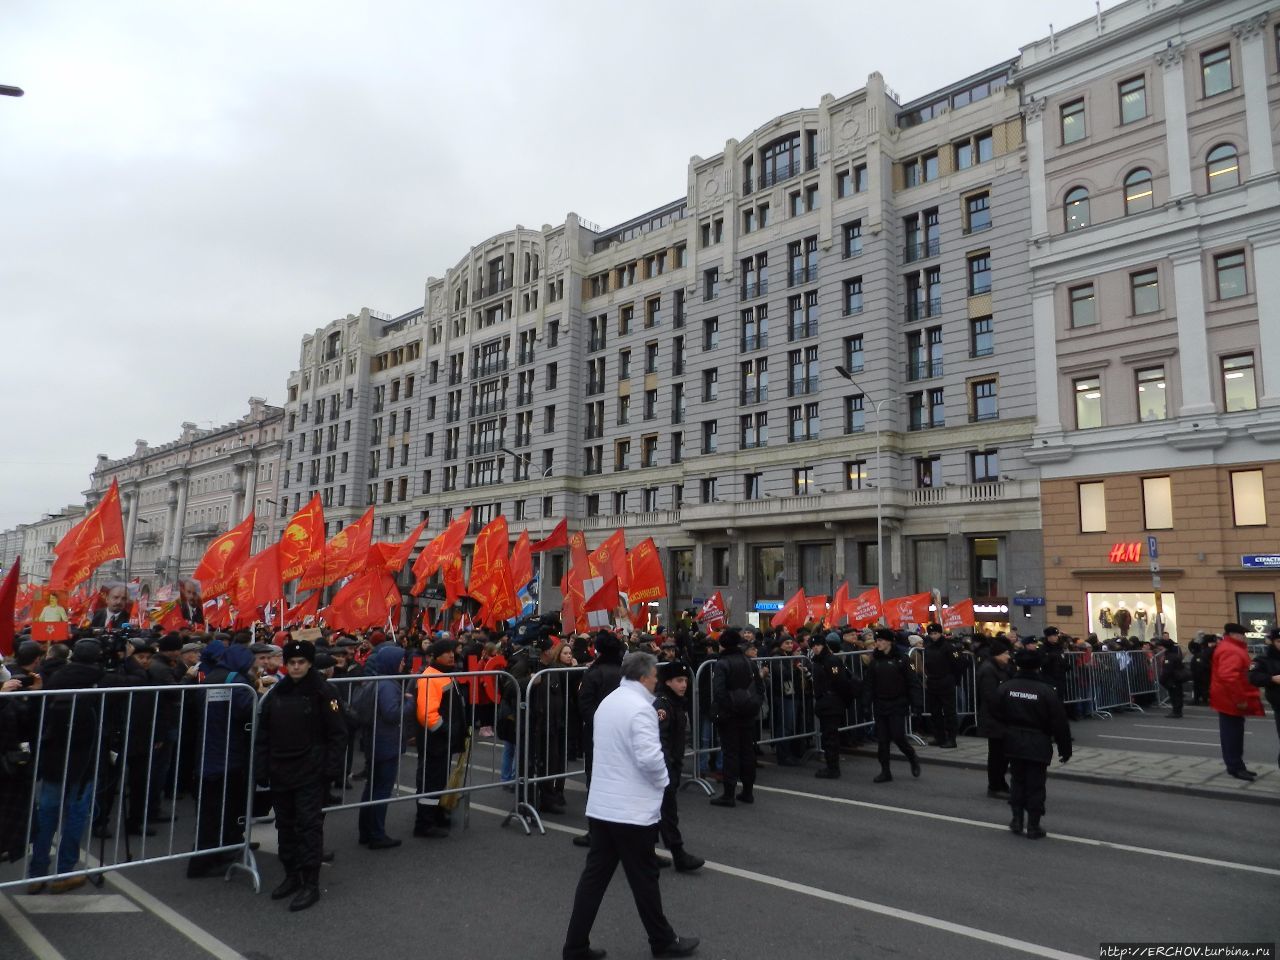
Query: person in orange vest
[
  {"x": 442, "y": 734},
  {"x": 1233, "y": 697}
]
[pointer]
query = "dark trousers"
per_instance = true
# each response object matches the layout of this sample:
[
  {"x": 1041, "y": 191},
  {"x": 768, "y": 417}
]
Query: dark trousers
[
  {"x": 737, "y": 740},
  {"x": 300, "y": 825},
  {"x": 611, "y": 844},
  {"x": 382, "y": 778},
  {"x": 942, "y": 713},
  {"x": 829, "y": 724},
  {"x": 997, "y": 765},
  {"x": 669, "y": 825},
  {"x": 433, "y": 777},
  {"x": 1026, "y": 787},
  {"x": 221, "y": 814},
  {"x": 1176, "y": 697},
  {"x": 1231, "y": 735},
  {"x": 892, "y": 727}
]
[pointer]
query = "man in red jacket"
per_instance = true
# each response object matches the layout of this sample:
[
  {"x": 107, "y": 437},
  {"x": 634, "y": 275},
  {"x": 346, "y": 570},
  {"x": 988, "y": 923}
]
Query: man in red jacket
[{"x": 1233, "y": 697}]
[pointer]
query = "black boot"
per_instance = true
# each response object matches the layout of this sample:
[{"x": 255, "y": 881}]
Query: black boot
[
  {"x": 884, "y": 776},
  {"x": 726, "y": 799},
  {"x": 291, "y": 884},
  {"x": 1174, "y": 714},
  {"x": 746, "y": 795},
  {"x": 830, "y": 772},
  {"x": 685, "y": 862},
  {"x": 915, "y": 765},
  {"x": 1016, "y": 823},
  {"x": 1034, "y": 830},
  {"x": 309, "y": 895}
]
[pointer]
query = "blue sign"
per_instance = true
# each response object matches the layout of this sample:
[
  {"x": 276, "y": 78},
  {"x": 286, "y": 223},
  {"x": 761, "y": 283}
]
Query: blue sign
[
  {"x": 1028, "y": 601},
  {"x": 699, "y": 601},
  {"x": 768, "y": 606},
  {"x": 1261, "y": 561},
  {"x": 1153, "y": 550}
]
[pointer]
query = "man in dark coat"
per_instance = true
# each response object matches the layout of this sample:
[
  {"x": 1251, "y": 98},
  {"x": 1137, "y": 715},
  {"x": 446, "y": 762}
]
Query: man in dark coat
[
  {"x": 669, "y": 701},
  {"x": 943, "y": 666},
  {"x": 891, "y": 686},
  {"x": 833, "y": 691},
  {"x": 302, "y": 739},
  {"x": 1034, "y": 719},
  {"x": 1056, "y": 662},
  {"x": 736, "y": 696},
  {"x": 994, "y": 671}
]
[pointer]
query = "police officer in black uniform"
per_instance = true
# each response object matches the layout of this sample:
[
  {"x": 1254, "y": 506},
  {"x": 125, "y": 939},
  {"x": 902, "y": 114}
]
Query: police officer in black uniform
[
  {"x": 892, "y": 687},
  {"x": 833, "y": 691},
  {"x": 302, "y": 739},
  {"x": 1033, "y": 718},
  {"x": 943, "y": 666},
  {"x": 669, "y": 700},
  {"x": 737, "y": 695}
]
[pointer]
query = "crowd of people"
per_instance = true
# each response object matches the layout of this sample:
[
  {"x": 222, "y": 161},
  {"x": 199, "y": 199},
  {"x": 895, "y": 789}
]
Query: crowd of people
[{"x": 80, "y": 759}]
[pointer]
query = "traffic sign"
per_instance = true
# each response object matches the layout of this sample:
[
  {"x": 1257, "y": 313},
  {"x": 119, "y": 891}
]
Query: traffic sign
[
  {"x": 1261, "y": 561},
  {"x": 1153, "y": 550},
  {"x": 1028, "y": 601}
]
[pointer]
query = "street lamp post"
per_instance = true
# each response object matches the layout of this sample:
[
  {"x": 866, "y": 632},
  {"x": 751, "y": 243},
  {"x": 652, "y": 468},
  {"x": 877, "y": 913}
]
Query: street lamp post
[{"x": 879, "y": 481}]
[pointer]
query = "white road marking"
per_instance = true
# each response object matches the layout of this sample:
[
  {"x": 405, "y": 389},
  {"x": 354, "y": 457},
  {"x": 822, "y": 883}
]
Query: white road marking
[
  {"x": 1087, "y": 841},
  {"x": 80, "y": 903},
  {"x": 1180, "y": 727},
  {"x": 1022, "y": 946},
  {"x": 1189, "y": 743},
  {"x": 202, "y": 938},
  {"x": 35, "y": 941}
]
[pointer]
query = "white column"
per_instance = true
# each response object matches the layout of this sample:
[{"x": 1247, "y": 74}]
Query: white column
[
  {"x": 250, "y": 489},
  {"x": 839, "y": 558},
  {"x": 1175, "y": 121},
  {"x": 131, "y": 525},
  {"x": 1266, "y": 271},
  {"x": 1045, "y": 338},
  {"x": 179, "y": 519},
  {"x": 1253, "y": 67},
  {"x": 1033, "y": 113},
  {"x": 1193, "y": 340}
]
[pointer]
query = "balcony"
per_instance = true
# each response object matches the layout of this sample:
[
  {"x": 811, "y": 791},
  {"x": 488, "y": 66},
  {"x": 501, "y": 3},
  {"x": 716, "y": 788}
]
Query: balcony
[
  {"x": 915, "y": 426},
  {"x": 596, "y": 343},
  {"x": 146, "y": 538},
  {"x": 753, "y": 444},
  {"x": 488, "y": 406},
  {"x": 996, "y": 491},
  {"x": 802, "y": 387},
  {"x": 757, "y": 342},
  {"x": 851, "y": 309},
  {"x": 207, "y": 529},
  {"x": 757, "y": 289},
  {"x": 484, "y": 446},
  {"x": 921, "y": 250},
  {"x": 799, "y": 331},
  {"x": 655, "y": 518},
  {"x": 455, "y": 379},
  {"x": 523, "y": 398},
  {"x": 491, "y": 367},
  {"x": 751, "y": 395},
  {"x": 924, "y": 369},
  {"x": 453, "y": 415},
  {"x": 802, "y": 275},
  {"x": 780, "y": 172},
  {"x": 487, "y": 481},
  {"x": 921, "y": 309},
  {"x": 524, "y": 358},
  {"x": 983, "y": 416},
  {"x": 497, "y": 286}
]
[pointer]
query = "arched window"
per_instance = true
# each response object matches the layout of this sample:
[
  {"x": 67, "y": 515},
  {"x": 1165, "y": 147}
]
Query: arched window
[
  {"x": 1137, "y": 191},
  {"x": 1223, "y": 167},
  {"x": 1075, "y": 208}
]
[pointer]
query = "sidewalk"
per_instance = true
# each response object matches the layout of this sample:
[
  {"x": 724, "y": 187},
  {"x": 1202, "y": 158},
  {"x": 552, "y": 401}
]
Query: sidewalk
[{"x": 1197, "y": 776}]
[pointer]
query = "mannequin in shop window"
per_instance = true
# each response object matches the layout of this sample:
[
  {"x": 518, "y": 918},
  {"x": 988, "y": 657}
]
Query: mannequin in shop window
[
  {"x": 1123, "y": 619},
  {"x": 1104, "y": 617},
  {"x": 1140, "y": 620}
]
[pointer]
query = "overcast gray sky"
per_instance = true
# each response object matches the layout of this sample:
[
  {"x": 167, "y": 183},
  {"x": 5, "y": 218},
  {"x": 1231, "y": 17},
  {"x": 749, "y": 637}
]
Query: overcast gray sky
[{"x": 189, "y": 187}]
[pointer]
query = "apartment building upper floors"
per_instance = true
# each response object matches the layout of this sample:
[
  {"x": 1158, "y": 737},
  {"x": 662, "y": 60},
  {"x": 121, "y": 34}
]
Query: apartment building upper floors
[{"x": 1155, "y": 234}]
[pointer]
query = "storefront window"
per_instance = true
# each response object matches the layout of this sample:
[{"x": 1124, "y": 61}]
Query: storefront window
[
  {"x": 768, "y": 573},
  {"x": 1116, "y": 613},
  {"x": 1257, "y": 611},
  {"x": 984, "y": 562},
  {"x": 869, "y": 562}
]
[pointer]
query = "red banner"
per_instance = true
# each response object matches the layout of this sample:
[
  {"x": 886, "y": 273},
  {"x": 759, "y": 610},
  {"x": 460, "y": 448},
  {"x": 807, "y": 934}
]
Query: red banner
[
  {"x": 258, "y": 581},
  {"x": 558, "y": 540},
  {"x": 714, "y": 614},
  {"x": 521, "y": 560},
  {"x": 815, "y": 609},
  {"x": 344, "y": 554},
  {"x": 839, "y": 605},
  {"x": 302, "y": 542},
  {"x": 900, "y": 611},
  {"x": 793, "y": 613},
  {"x": 864, "y": 609},
  {"x": 93, "y": 541},
  {"x": 958, "y": 615},
  {"x": 646, "y": 580},
  {"x": 222, "y": 560},
  {"x": 609, "y": 560}
]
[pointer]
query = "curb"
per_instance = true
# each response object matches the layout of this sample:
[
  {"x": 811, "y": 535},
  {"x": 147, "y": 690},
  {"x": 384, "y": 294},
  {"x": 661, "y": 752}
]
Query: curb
[{"x": 1212, "y": 793}]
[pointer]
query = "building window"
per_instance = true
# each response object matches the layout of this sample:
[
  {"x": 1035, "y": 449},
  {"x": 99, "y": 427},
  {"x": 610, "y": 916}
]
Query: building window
[
  {"x": 1093, "y": 507},
  {"x": 710, "y": 429},
  {"x": 711, "y": 283},
  {"x": 928, "y": 473},
  {"x": 710, "y": 385},
  {"x": 1157, "y": 503},
  {"x": 1075, "y": 209},
  {"x": 593, "y": 505},
  {"x": 768, "y": 572},
  {"x": 855, "y": 474},
  {"x": 802, "y": 481},
  {"x": 1248, "y": 498},
  {"x": 1215, "y": 67},
  {"x": 1257, "y": 611},
  {"x": 1239, "y": 390},
  {"x": 979, "y": 274},
  {"x": 1228, "y": 268},
  {"x": 710, "y": 333},
  {"x": 981, "y": 337},
  {"x": 853, "y": 355},
  {"x": 1072, "y": 121},
  {"x": 1082, "y": 306},
  {"x": 852, "y": 239},
  {"x": 854, "y": 414},
  {"x": 1223, "y": 165},
  {"x": 860, "y": 178},
  {"x": 719, "y": 566},
  {"x": 1138, "y": 195},
  {"x": 1144, "y": 292},
  {"x": 1133, "y": 99},
  {"x": 708, "y": 490},
  {"x": 852, "y": 296},
  {"x": 977, "y": 212},
  {"x": 985, "y": 400},
  {"x": 1153, "y": 398},
  {"x": 844, "y": 184},
  {"x": 984, "y": 466},
  {"x": 984, "y": 561},
  {"x": 1088, "y": 391}
]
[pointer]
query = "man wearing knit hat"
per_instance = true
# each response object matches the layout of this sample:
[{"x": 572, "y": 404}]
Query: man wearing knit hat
[
  {"x": 442, "y": 734},
  {"x": 994, "y": 671}
]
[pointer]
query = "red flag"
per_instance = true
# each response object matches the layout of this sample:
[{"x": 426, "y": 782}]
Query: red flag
[
  {"x": 344, "y": 554},
  {"x": 606, "y": 598},
  {"x": 8, "y": 607},
  {"x": 491, "y": 581},
  {"x": 864, "y": 608},
  {"x": 362, "y": 602},
  {"x": 899, "y": 611},
  {"x": 610, "y": 559},
  {"x": 713, "y": 612},
  {"x": 392, "y": 556},
  {"x": 578, "y": 556},
  {"x": 570, "y": 605},
  {"x": 218, "y": 568},
  {"x": 815, "y": 609},
  {"x": 455, "y": 587},
  {"x": 302, "y": 541},
  {"x": 839, "y": 605},
  {"x": 168, "y": 616},
  {"x": 258, "y": 581},
  {"x": 558, "y": 540},
  {"x": 307, "y": 608},
  {"x": 521, "y": 560},
  {"x": 646, "y": 581},
  {"x": 93, "y": 541},
  {"x": 440, "y": 551},
  {"x": 792, "y": 613},
  {"x": 958, "y": 615}
]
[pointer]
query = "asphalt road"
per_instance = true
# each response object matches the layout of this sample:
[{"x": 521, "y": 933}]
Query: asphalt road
[
  {"x": 912, "y": 869},
  {"x": 1195, "y": 735}
]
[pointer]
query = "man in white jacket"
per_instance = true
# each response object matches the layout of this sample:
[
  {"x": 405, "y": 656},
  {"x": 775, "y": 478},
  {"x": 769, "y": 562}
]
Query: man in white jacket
[{"x": 624, "y": 804}]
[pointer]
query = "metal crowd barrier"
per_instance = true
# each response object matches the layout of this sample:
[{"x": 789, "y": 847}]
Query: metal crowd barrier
[
  {"x": 544, "y": 749},
  {"x": 94, "y": 765},
  {"x": 966, "y": 695}
]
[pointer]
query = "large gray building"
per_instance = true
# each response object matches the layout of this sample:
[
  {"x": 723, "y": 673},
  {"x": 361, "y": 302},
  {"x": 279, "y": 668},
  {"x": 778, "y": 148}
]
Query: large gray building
[{"x": 717, "y": 373}]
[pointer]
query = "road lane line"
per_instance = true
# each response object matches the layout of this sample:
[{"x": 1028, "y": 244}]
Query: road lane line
[
  {"x": 202, "y": 938},
  {"x": 81, "y": 903},
  {"x": 1190, "y": 743},
  {"x": 35, "y": 941},
  {"x": 1170, "y": 727},
  {"x": 867, "y": 906}
]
